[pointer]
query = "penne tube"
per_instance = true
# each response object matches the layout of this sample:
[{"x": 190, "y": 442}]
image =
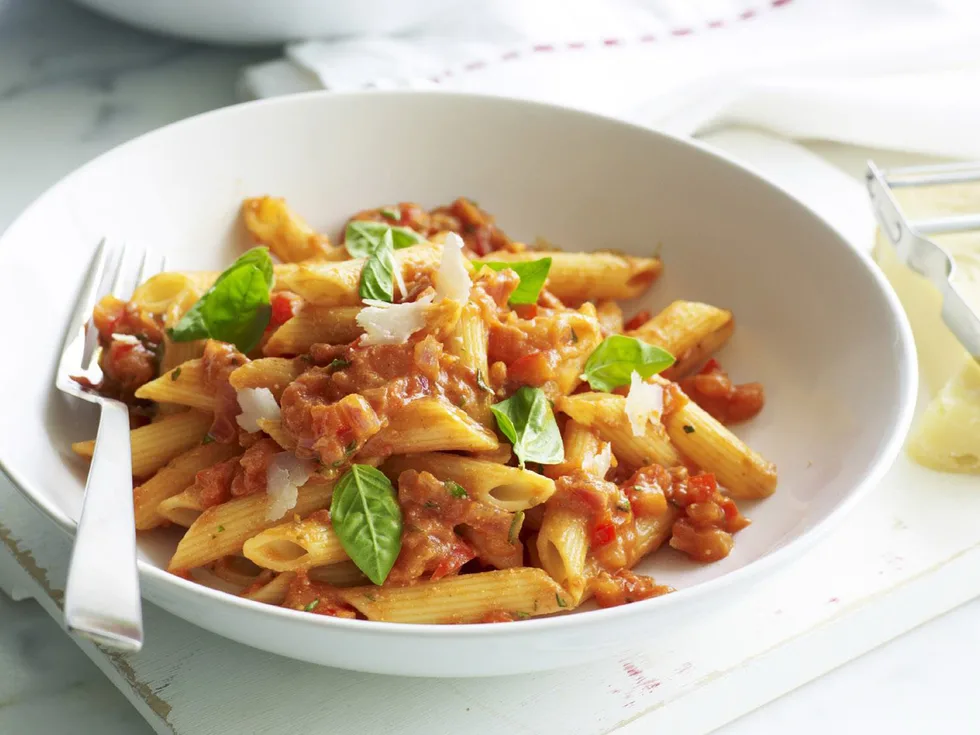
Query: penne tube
[
  {"x": 508, "y": 488},
  {"x": 223, "y": 529},
  {"x": 156, "y": 444},
  {"x": 428, "y": 425},
  {"x": 469, "y": 598},
  {"x": 606, "y": 413},
  {"x": 296, "y": 544},
  {"x": 563, "y": 539},
  {"x": 184, "y": 385},
  {"x": 710, "y": 445},
  {"x": 651, "y": 532},
  {"x": 610, "y": 317},
  {"x": 314, "y": 324},
  {"x": 238, "y": 570},
  {"x": 274, "y": 373},
  {"x": 173, "y": 479},
  {"x": 578, "y": 277},
  {"x": 336, "y": 284},
  {"x": 271, "y": 222},
  {"x": 272, "y": 592},
  {"x": 341, "y": 574},
  {"x": 688, "y": 330},
  {"x": 469, "y": 343},
  {"x": 181, "y": 509}
]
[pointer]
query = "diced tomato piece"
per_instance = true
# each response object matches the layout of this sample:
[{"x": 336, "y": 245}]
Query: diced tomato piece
[
  {"x": 638, "y": 320},
  {"x": 603, "y": 534},
  {"x": 711, "y": 366},
  {"x": 533, "y": 369},
  {"x": 284, "y": 306},
  {"x": 702, "y": 487}
]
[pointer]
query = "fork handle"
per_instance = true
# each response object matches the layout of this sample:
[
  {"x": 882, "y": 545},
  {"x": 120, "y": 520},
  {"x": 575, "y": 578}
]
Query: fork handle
[{"x": 102, "y": 595}]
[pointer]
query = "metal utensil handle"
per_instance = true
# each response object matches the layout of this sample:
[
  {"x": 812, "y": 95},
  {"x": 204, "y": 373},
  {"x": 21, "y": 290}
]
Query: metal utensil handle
[{"x": 102, "y": 573}]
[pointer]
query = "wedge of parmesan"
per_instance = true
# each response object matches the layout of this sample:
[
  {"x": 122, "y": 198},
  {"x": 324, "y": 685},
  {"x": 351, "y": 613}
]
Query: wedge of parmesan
[
  {"x": 946, "y": 437},
  {"x": 256, "y": 404},
  {"x": 392, "y": 324},
  {"x": 284, "y": 476}
]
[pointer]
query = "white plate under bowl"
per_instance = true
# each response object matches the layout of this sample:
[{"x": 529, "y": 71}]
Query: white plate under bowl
[
  {"x": 817, "y": 323},
  {"x": 271, "y": 21}
]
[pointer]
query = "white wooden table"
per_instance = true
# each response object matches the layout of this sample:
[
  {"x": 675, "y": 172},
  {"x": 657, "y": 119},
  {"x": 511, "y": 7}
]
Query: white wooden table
[{"x": 71, "y": 86}]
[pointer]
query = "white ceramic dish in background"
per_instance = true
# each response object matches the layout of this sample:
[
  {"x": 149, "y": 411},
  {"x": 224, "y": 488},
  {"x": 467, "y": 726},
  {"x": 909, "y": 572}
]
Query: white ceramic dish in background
[
  {"x": 270, "y": 21},
  {"x": 816, "y": 323}
]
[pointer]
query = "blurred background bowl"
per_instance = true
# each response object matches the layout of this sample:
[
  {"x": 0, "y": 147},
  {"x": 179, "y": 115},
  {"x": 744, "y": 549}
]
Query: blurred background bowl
[{"x": 256, "y": 22}]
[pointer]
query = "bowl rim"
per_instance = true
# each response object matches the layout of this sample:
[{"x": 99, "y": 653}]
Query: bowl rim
[{"x": 878, "y": 464}]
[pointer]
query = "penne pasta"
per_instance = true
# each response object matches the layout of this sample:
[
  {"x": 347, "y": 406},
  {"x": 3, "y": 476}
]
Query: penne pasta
[
  {"x": 314, "y": 324},
  {"x": 277, "y": 433},
  {"x": 469, "y": 343},
  {"x": 508, "y": 488},
  {"x": 606, "y": 413},
  {"x": 688, "y": 330},
  {"x": 272, "y": 592},
  {"x": 184, "y": 385},
  {"x": 156, "y": 444},
  {"x": 429, "y": 425},
  {"x": 740, "y": 469},
  {"x": 563, "y": 539},
  {"x": 271, "y": 222},
  {"x": 223, "y": 529},
  {"x": 274, "y": 373},
  {"x": 296, "y": 544},
  {"x": 341, "y": 574},
  {"x": 578, "y": 277},
  {"x": 469, "y": 598},
  {"x": 172, "y": 479},
  {"x": 181, "y": 509}
]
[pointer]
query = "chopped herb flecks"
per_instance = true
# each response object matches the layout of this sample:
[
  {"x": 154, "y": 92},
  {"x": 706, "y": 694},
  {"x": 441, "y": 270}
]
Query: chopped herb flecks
[
  {"x": 455, "y": 489},
  {"x": 688, "y": 429},
  {"x": 175, "y": 374},
  {"x": 560, "y": 601},
  {"x": 312, "y": 606},
  {"x": 515, "y": 526}
]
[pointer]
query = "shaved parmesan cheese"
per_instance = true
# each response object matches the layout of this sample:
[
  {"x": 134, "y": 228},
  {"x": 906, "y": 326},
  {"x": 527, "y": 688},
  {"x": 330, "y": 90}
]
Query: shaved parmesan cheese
[
  {"x": 645, "y": 402},
  {"x": 256, "y": 404},
  {"x": 452, "y": 280},
  {"x": 126, "y": 339},
  {"x": 284, "y": 476},
  {"x": 392, "y": 324},
  {"x": 399, "y": 281}
]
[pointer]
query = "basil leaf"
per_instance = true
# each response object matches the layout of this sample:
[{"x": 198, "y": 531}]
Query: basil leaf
[
  {"x": 366, "y": 517},
  {"x": 613, "y": 362},
  {"x": 532, "y": 274},
  {"x": 378, "y": 274},
  {"x": 236, "y": 308},
  {"x": 362, "y": 238},
  {"x": 527, "y": 420}
]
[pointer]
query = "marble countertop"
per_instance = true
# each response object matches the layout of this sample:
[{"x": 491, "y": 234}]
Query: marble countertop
[{"x": 73, "y": 85}]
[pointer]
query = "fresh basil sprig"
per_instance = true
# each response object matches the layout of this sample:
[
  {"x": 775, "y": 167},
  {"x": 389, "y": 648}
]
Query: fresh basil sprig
[
  {"x": 614, "y": 361},
  {"x": 236, "y": 308},
  {"x": 527, "y": 420},
  {"x": 378, "y": 274},
  {"x": 367, "y": 519},
  {"x": 362, "y": 238},
  {"x": 532, "y": 274}
]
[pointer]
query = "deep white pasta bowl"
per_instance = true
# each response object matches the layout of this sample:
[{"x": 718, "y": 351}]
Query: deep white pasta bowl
[{"x": 816, "y": 323}]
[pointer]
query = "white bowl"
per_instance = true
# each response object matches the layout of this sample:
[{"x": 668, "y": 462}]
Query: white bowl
[
  {"x": 817, "y": 323},
  {"x": 270, "y": 21}
]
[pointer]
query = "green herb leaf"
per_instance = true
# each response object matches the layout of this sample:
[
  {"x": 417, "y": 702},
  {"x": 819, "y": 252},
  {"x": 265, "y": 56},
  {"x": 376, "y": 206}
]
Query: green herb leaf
[
  {"x": 527, "y": 420},
  {"x": 614, "y": 361},
  {"x": 338, "y": 364},
  {"x": 688, "y": 429},
  {"x": 455, "y": 489},
  {"x": 367, "y": 519},
  {"x": 521, "y": 615},
  {"x": 236, "y": 308},
  {"x": 208, "y": 439},
  {"x": 481, "y": 383},
  {"x": 560, "y": 601},
  {"x": 175, "y": 374},
  {"x": 532, "y": 274},
  {"x": 515, "y": 526},
  {"x": 312, "y": 606},
  {"x": 378, "y": 274},
  {"x": 391, "y": 213},
  {"x": 363, "y": 238},
  {"x": 221, "y": 529}
]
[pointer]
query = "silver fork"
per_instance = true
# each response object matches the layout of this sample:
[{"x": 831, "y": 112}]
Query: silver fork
[{"x": 102, "y": 596}]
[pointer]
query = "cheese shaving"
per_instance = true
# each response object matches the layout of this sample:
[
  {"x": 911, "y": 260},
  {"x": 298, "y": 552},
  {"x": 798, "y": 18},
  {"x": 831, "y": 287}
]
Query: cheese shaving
[
  {"x": 127, "y": 339},
  {"x": 392, "y": 324},
  {"x": 256, "y": 404},
  {"x": 284, "y": 476},
  {"x": 644, "y": 403},
  {"x": 452, "y": 280}
]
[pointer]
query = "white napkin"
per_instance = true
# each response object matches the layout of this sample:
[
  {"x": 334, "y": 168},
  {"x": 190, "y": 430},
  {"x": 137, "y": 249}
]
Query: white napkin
[{"x": 887, "y": 73}]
